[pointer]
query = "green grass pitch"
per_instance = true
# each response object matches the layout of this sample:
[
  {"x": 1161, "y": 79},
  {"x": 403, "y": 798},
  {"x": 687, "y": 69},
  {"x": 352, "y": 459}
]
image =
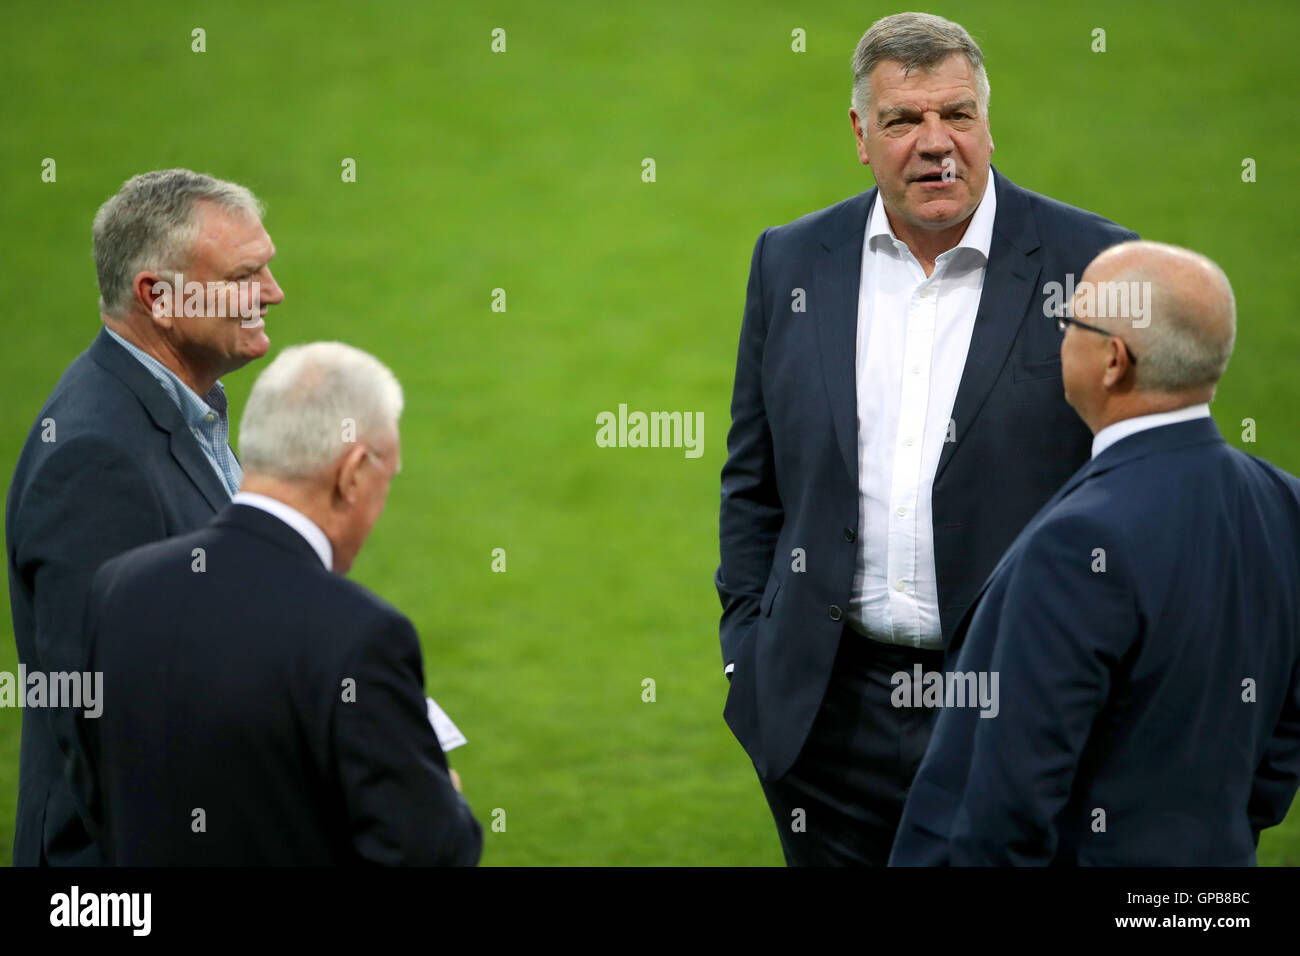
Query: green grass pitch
[{"x": 522, "y": 171}]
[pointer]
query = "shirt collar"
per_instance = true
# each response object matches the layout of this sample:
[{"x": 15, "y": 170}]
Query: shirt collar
[
  {"x": 295, "y": 519},
  {"x": 194, "y": 409},
  {"x": 1131, "y": 426},
  {"x": 978, "y": 235}
]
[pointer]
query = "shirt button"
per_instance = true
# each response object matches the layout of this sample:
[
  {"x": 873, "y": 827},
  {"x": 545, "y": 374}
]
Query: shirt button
[
  {"x": 850, "y": 534},
  {"x": 916, "y": 370},
  {"x": 907, "y": 442},
  {"x": 900, "y": 585},
  {"x": 835, "y": 612},
  {"x": 925, "y": 293},
  {"x": 902, "y": 512},
  {"x": 209, "y": 417}
]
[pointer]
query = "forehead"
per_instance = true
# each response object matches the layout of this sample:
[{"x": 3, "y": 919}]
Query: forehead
[
  {"x": 892, "y": 85},
  {"x": 228, "y": 234}
]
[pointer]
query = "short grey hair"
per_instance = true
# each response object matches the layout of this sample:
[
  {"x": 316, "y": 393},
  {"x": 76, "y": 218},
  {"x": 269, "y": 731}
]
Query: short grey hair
[
  {"x": 311, "y": 404},
  {"x": 1192, "y": 322},
  {"x": 150, "y": 226},
  {"x": 919, "y": 41}
]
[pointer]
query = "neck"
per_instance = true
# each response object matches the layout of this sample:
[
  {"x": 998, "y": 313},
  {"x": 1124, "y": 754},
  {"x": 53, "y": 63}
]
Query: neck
[
  {"x": 1136, "y": 404},
  {"x": 928, "y": 244},
  {"x": 311, "y": 500},
  {"x": 148, "y": 340}
]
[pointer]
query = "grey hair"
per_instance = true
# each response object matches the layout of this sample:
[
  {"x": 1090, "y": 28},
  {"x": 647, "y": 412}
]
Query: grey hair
[
  {"x": 150, "y": 226},
  {"x": 311, "y": 404},
  {"x": 919, "y": 41},
  {"x": 1192, "y": 324}
]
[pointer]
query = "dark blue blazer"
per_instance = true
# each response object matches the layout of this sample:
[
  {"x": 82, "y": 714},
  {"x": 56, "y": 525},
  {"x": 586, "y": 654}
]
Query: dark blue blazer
[
  {"x": 1149, "y": 706},
  {"x": 243, "y": 679},
  {"x": 122, "y": 469},
  {"x": 791, "y": 476}
]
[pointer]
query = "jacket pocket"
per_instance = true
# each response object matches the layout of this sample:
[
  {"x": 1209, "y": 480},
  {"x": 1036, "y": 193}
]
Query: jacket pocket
[{"x": 1033, "y": 371}]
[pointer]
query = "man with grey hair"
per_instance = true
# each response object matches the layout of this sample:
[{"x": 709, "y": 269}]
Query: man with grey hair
[
  {"x": 897, "y": 418},
  {"x": 132, "y": 444},
  {"x": 1144, "y": 627},
  {"x": 290, "y": 710}
]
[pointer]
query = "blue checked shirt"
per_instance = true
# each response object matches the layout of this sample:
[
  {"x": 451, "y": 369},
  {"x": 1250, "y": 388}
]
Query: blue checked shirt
[{"x": 206, "y": 416}]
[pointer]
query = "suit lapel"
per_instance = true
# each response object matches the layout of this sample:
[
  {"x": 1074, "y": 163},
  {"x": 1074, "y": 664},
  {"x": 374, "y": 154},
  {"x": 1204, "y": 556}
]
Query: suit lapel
[
  {"x": 1010, "y": 279},
  {"x": 185, "y": 449},
  {"x": 184, "y": 446},
  {"x": 837, "y": 277},
  {"x": 1084, "y": 473}
]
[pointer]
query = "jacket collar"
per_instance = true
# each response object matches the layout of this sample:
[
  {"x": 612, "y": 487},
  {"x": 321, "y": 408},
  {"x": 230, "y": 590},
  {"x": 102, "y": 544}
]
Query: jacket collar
[{"x": 119, "y": 363}]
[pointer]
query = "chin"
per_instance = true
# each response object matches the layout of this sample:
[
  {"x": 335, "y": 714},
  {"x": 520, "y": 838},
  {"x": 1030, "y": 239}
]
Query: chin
[{"x": 255, "y": 347}]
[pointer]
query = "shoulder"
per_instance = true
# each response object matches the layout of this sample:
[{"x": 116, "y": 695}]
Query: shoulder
[
  {"x": 841, "y": 217},
  {"x": 1056, "y": 216}
]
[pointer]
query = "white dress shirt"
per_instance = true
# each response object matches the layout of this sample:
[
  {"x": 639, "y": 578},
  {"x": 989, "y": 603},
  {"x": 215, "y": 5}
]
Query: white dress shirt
[
  {"x": 913, "y": 336},
  {"x": 1131, "y": 426},
  {"x": 295, "y": 519}
]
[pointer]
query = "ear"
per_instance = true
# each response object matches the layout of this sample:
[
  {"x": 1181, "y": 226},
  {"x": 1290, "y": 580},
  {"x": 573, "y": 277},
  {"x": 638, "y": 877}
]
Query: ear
[
  {"x": 156, "y": 296},
  {"x": 347, "y": 481},
  {"x": 1117, "y": 363},
  {"x": 860, "y": 136}
]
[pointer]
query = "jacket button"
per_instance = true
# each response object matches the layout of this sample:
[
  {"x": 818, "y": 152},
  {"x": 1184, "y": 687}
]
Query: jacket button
[
  {"x": 850, "y": 534},
  {"x": 835, "y": 612}
]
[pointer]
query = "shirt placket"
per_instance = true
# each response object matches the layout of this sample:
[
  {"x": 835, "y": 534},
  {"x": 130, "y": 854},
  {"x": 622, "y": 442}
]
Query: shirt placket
[{"x": 918, "y": 348}]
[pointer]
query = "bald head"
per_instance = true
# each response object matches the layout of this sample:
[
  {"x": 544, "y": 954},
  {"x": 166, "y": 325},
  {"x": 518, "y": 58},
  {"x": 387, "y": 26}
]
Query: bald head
[
  {"x": 1181, "y": 319},
  {"x": 1171, "y": 321}
]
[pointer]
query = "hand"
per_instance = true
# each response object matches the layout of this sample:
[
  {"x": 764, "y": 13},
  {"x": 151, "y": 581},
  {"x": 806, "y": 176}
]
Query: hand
[{"x": 455, "y": 779}]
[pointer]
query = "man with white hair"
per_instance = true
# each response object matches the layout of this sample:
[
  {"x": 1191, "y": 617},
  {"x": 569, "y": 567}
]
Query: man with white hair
[
  {"x": 132, "y": 444},
  {"x": 259, "y": 708},
  {"x": 1144, "y": 628}
]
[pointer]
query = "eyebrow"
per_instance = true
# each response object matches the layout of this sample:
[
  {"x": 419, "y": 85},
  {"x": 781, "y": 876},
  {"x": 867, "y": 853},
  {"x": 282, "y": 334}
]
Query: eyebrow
[
  {"x": 253, "y": 266},
  {"x": 966, "y": 104}
]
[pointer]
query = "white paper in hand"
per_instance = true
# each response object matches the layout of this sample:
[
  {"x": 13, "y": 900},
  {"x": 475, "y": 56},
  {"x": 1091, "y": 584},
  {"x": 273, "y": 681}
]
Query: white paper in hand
[{"x": 449, "y": 735}]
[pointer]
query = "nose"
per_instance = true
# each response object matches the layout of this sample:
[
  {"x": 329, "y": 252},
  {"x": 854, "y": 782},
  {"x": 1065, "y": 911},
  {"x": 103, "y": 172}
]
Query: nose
[
  {"x": 932, "y": 139},
  {"x": 271, "y": 293}
]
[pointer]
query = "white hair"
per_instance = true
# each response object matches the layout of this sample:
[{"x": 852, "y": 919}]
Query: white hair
[
  {"x": 311, "y": 404},
  {"x": 919, "y": 41},
  {"x": 150, "y": 226}
]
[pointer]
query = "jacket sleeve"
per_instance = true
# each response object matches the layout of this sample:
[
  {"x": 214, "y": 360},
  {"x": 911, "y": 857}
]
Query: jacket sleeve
[
  {"x": 401, "y": 804},
  {"x": 1278, "y": 773},
  {"x": 751, "y": 514}
]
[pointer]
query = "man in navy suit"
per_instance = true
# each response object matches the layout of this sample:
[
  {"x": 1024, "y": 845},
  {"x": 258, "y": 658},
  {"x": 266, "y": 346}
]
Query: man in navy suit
[
  {"x": 1144, "y": 628},
  {"x": 897, "y": 418},
  {"x": 259, "y": 708},
  {"x": 132, "y": 444}
]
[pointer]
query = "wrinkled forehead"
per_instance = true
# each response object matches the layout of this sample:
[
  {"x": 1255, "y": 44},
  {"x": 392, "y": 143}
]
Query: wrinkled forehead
[{"x": 946, "y": 83}]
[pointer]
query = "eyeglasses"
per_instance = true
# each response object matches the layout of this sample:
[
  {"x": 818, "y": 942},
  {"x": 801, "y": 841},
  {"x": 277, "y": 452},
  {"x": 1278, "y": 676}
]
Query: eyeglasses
[{"x": 1062, "y": 321}]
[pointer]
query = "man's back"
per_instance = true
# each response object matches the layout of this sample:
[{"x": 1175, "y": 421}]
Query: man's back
[
  {"x": 259, "y": 709},
  {"x": 1186, "y": 580},
  {"x": 107, "y": 466}
]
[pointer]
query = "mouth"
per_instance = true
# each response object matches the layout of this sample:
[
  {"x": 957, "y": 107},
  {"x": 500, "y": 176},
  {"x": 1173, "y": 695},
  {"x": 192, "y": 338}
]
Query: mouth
[
  {"x": 935, "y": 178},
  {"x": 254, "y": 324}
]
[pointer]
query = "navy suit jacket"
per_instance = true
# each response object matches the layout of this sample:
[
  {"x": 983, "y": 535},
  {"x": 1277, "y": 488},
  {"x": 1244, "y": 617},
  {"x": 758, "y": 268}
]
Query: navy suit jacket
[
  {"x": 108, "y": 465},
  {"x": 1145, "y": 630},
  {"x": 791, "y": 476},
  {"x": 243, "y": 679}
]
